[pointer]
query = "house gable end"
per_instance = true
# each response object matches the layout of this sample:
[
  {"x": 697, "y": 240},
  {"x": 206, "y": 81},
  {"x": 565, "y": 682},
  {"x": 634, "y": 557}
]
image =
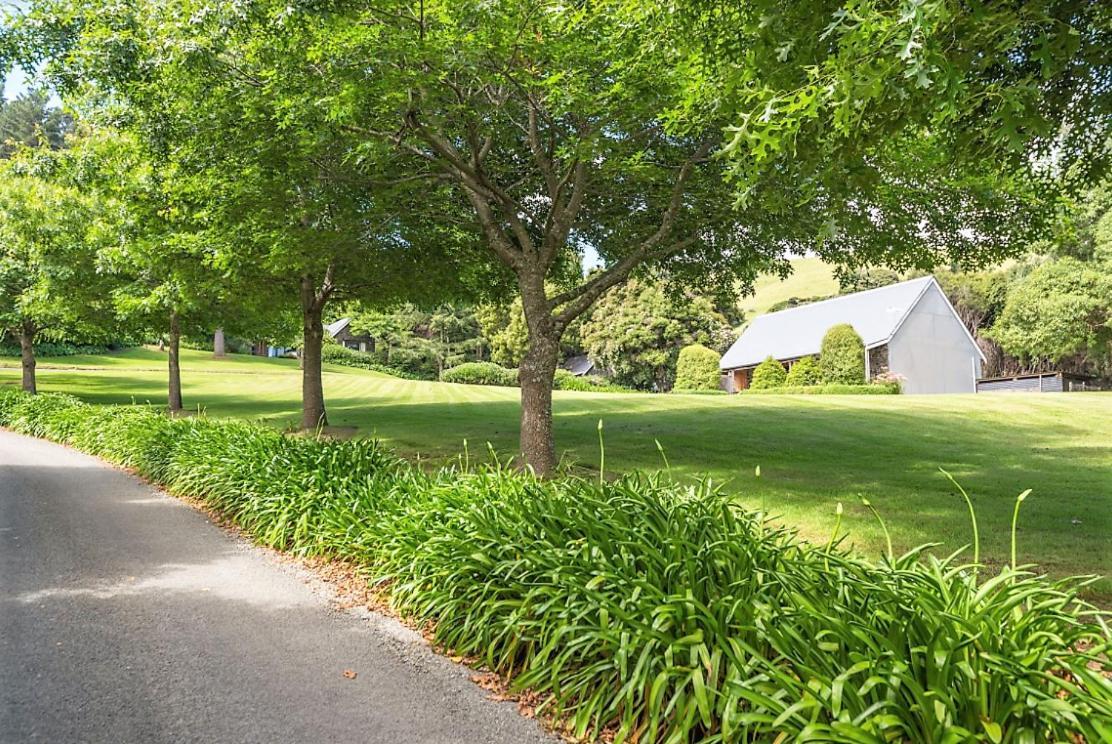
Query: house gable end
[{"x": 935, "y": 288}]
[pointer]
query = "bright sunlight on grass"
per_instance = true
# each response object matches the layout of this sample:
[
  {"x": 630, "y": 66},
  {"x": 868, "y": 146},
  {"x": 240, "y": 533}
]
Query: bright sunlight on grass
[{"x": 814, "y": 451}]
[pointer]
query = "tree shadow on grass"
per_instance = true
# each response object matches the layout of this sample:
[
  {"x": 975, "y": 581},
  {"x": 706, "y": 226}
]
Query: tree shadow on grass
[
  {"x": 813, "y": 453},
  {"x": 817, "y": 455}
]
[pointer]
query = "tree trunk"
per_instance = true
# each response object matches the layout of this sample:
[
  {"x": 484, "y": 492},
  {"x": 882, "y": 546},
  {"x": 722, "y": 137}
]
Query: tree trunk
[
  {"x": 313, "y": 413},
  {"x": 218, "y": 350},
  {"x": 536, "y": 375},
  {"x": 174, "y": 347},
  {"x": 27, "y": 357},
  {"x": 538, "y": 370}
]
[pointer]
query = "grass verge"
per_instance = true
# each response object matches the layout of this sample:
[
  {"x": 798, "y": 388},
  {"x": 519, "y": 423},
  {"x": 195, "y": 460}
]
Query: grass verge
[{"x": 642, "y": 608}]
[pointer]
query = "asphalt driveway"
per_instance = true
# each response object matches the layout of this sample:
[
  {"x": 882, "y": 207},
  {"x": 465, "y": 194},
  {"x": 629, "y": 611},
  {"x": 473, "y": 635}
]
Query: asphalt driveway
[{"x": 126, "y": 616}]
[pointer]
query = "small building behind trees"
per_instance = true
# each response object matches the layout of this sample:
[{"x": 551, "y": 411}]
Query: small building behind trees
[
  {"x": 909, "y": 329},
  {"x": 341, "y": 333}
]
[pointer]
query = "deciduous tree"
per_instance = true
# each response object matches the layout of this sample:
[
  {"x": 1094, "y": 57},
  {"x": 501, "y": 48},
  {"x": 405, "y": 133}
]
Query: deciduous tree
[
  {"x": 30, "y": 121},
  {"x": 50, "y": 280},
  {"x": 705, "y": 139},
  {"x": 229, "y": 98},
  {"x": 866, "y": 132}
]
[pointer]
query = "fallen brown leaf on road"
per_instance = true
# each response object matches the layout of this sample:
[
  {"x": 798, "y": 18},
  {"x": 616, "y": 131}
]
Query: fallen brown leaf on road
[{"x": 350, "y": 674}]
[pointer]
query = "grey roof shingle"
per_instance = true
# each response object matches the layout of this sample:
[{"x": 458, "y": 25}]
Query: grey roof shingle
[
  {"x": 579, "y": 365},
  {"x": 875, "y": 314},
  {"x": 333, "y": 328}
]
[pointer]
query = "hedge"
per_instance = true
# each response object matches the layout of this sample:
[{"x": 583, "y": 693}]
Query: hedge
[
  {"x": 480, "y": 373},
  {"x": 642, "y": 608},
  {"x": 842, "y": 358},
  {"x": 333, "y": 353},
  {"x": 51, "y": 349},
  {"x": 489, "y": 373},
  {"x": 829, "y": 389}
]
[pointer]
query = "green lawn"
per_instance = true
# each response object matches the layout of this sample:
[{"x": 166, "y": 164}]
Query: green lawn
[{"x": 813, "y": 451}]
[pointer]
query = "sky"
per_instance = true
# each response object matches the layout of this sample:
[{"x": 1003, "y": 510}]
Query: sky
[
  {"x": 16, "y": 81},
  {"x": 15, "y": 84}
]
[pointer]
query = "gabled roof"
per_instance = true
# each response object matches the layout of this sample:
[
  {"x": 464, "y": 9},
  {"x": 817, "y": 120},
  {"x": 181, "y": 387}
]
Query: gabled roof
[
  {"x": 579, "y": 365},
  {"x": 876, "y": 315},
  {"x": 333, "y": 328}
]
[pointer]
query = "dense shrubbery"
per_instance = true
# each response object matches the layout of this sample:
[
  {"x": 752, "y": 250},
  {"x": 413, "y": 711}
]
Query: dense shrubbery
[
  {"x": 804, "y": 372},
  {"x": 767, "y": 375},
  {"x": 888, "y": 388},
  {"x": 655, "y": 610},
  {"x": 49, "y": 349},
  {"x": 842, "y": 358},
  {"x": 480, "y": 373},
  {"x": 791, "y": 302},
  {"x": 806, "y": 378},
  {"x": 636, "y": 332},
  {"x": 489, "y": 373},
  {"x": 697, "y": 369},
  {"x": 565, "y": 380},
  {"x": 337, "y": 354}
]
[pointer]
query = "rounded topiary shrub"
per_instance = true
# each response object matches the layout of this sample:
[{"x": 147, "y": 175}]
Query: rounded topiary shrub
[
  {"x": 768, "y": 374},
  {"x": 697, "y": 368},
  {"x": 480, "y": 373},
  {"x": 804, "y": 372},
  {"x": 842, "y": 359}
]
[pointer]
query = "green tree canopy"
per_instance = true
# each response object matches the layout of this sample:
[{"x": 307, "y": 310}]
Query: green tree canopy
[
  {"x": 636, "y": 332},
  {"x": 869, "y": 132},
  {"x": 162, "y": 262},
  {"x": 228, "y": 99},
  {"x": 51, "y": 225},
  {"x": 503, "y": 325},
  {"x": 1061, "y": 309},
  {"x": 30, "y": 121}
]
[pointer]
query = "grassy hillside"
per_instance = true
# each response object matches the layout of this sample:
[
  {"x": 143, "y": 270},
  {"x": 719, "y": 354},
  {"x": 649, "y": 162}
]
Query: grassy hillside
[
  {"x": 814, "y": 451},
  {"x": 810, "y": 277}
]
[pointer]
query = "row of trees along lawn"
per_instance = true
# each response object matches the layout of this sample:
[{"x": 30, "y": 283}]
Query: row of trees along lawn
[
  {"x": 93, "y": 247},
  {"x": 299, "y": 154}
]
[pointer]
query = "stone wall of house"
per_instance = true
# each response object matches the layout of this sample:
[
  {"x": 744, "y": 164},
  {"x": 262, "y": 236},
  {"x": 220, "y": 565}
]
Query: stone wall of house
[{"x": 878, "y": 360}]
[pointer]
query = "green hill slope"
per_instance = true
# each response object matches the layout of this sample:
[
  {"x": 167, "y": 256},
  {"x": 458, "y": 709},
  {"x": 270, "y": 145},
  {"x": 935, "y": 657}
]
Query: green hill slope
[{"x": 810, "y": 277}]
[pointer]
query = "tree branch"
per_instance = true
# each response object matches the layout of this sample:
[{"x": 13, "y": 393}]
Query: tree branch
[
  {"x": 475, "y": 181},
  {"x": 577, "y": 300},
  {"x": 496, "y": 239}
]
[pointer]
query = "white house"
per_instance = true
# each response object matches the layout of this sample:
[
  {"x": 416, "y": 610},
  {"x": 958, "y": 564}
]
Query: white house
[{"x": 909, "y": 329}]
